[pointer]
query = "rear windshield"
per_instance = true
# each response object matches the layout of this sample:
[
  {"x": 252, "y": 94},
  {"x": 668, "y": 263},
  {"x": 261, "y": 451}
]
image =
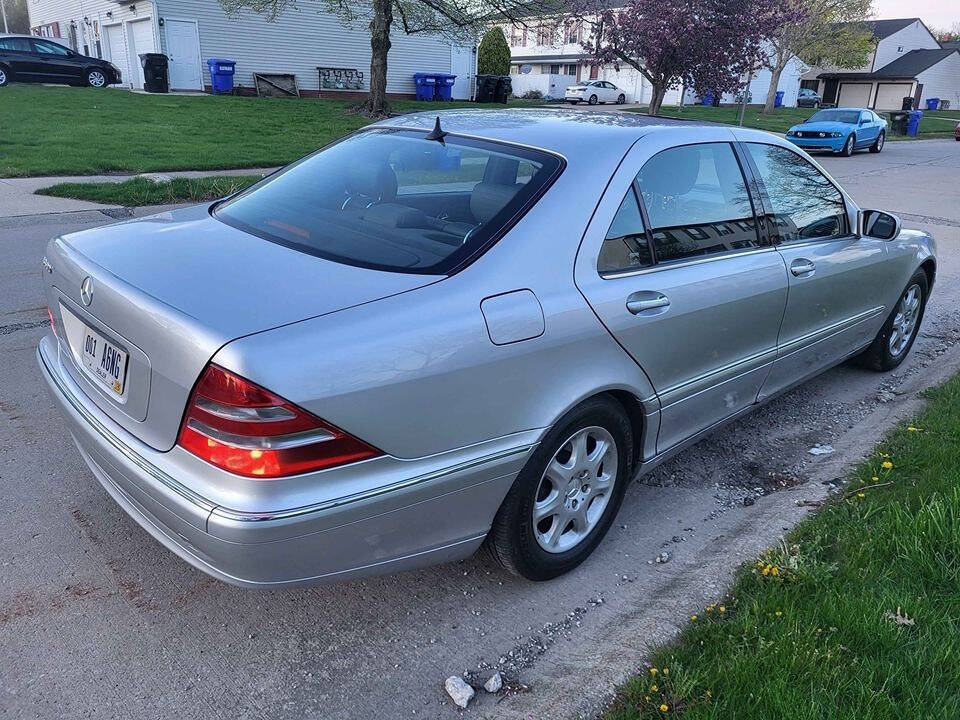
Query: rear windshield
[
  {"x": 393, "y": 200},
  {"x": 841, "y": 116}
]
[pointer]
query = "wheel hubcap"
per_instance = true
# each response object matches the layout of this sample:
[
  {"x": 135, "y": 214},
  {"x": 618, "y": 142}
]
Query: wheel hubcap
[
  {"x": 3, "y": 77},
  {"x": 880, "y": 142},
  {"x": 96, "y": 79},
  {"x": 575, "y": 489},
  {"x": 905, "y": 321}
]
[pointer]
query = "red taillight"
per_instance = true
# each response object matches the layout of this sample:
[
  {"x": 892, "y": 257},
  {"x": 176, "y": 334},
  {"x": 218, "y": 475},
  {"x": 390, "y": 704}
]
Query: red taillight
[
  {"x": 244, "y": 429},
  {"x": 53, "y": 322}
]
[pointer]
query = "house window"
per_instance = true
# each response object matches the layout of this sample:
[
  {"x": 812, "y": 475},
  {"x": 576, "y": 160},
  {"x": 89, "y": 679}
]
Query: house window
[
  {"x": 545, "y": 34},
  {"x": 899, "y": 48},
  {"x": 554, "y": 69},
  {"x": 571, "y": 69},
  {"x": 514, "y": 36},
  {"x": 573, "y": 32}
]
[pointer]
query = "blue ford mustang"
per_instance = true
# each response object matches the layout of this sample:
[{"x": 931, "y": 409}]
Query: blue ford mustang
[{"x": 841, "y": 130}]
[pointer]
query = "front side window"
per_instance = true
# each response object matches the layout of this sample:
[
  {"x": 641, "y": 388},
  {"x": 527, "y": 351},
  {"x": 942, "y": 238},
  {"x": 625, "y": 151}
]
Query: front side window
[
  {"x": 805, "y": 204},
  {"x": 697, "y": 202},
  {"x": 392, "y": 200},
  {"x": 49, "y": 48},
  {"x": 625, "y": 246}
]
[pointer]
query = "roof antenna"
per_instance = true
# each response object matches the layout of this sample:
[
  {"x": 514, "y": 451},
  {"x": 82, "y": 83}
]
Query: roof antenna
[{"x": 437, "y": 133}]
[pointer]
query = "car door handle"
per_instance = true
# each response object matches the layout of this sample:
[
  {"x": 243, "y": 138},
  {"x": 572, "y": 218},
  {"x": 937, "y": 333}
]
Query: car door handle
[
  {"x": 638, "y": 302},
  {"x": 802, "y": 267}
]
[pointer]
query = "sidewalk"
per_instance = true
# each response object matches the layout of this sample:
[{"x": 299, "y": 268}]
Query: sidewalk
[{"x": 17, "y": 194}]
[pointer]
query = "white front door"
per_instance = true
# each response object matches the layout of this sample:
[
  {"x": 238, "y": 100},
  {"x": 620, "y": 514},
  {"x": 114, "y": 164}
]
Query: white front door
[
  {"x": 183, "y": 50},
  {"x": 140, "y": 37},
  {"x": 117, "y": 49},
  {"x": 462, "y": 61}
]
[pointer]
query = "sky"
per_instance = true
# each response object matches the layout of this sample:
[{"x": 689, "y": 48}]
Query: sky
[{"x": 934, "y": 13}]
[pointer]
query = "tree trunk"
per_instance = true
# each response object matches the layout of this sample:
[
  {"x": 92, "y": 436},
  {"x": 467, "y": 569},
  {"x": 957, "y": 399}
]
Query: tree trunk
[
  {"x": 379, "y": 47},
  {"x": 656, "y": 99},
  {"x": 775, "y": 74}
]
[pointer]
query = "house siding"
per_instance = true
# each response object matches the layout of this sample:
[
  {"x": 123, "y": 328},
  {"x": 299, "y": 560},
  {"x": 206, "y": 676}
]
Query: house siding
[
  {"x": 912, "y": 37},
  {"x": 301, "y": 39},
  {"x": 942, "y": 81}
]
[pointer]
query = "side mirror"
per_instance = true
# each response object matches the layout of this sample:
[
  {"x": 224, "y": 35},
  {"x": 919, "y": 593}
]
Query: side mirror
[{"x": 877, "y": 224}]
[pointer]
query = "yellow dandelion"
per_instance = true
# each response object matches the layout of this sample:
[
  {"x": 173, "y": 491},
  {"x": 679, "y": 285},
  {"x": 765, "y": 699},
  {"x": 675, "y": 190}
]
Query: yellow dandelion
[
  {"x": 861, "y": 495},
  {"x": 654, "y": 688},
  {"x": 775, "y": 571},
  {"x": 875, "y": 479},
  {"x": 723, "y": 609},
  {"x": 693, "y": 618},
  {"x": 887, "y": 465},
  {"x": 647, "y": 698},
  {"x": 766, "y": 570},
  {"x": 709, "y": 694},
  {"x": 654, "y": 671},
  {"x": 778, "y": 613},
  {"x": 663, "y": 707},
  {"x": 666, "y": 671}
]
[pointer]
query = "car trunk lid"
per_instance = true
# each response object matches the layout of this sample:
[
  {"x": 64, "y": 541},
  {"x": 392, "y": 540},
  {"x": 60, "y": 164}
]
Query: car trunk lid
[{"x": 167, "y": 291}]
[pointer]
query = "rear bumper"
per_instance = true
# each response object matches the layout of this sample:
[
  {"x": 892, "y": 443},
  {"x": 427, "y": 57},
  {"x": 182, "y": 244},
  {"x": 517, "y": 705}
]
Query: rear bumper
[
  {"x": 432, "y": 518},
  {"x": 832, "y": 144}
]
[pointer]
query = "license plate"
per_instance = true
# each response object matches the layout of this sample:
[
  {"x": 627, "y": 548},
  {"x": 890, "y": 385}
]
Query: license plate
[{"x": 106, "y": 362}]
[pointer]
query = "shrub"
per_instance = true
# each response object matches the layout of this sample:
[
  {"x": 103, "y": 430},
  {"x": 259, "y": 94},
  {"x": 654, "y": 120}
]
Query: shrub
[
  {"x": 493, "y": 55},
  {"x": 533, "y": 95}
]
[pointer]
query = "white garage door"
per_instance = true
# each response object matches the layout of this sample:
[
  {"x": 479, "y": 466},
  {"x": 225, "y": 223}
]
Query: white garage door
[
  {"x": 855, "y": 95},
  {"x": 141, "y": 41},
  {"x": 117, "y": 49},
  {"x": 890, "y": 95}
]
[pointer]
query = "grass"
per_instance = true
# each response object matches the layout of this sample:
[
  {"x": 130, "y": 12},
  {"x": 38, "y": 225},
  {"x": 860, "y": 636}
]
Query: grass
[
  {"x": 143, "y": 191},
  {"x": 934, "y": 124},
  {"x": 81, "y": 131},
  {"x": 811, "y": 631}
]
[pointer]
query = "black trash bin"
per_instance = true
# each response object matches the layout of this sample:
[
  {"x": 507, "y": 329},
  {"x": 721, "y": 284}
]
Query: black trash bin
[
  {"x": 503, "y": 89},
  {"x": 486, "y": 84},
  {"x": 155, "y": 78},
  {"x": 898, "y": 122},
  {"x": 907, "y": 104}
]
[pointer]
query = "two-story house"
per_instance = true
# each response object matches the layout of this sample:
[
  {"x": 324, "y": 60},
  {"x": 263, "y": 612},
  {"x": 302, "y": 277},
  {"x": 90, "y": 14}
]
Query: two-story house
[
  {"x": 547, "y": 55},
  {"x": 906, "y": 61},
  {"x": 304, "y": 38}
]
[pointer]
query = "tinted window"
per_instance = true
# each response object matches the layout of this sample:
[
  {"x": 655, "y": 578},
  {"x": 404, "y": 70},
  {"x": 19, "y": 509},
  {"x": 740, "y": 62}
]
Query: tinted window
[
  {"x": 391, "y": 200},
  {"x": 15, "y": 44},
  {"x": 841, "y": 116},
  {"x": 625, "y": 246},
  {"x": 48, "y": 48},
  {"x": 805, "y": 204},
  {"x": 697, "y": 202}
]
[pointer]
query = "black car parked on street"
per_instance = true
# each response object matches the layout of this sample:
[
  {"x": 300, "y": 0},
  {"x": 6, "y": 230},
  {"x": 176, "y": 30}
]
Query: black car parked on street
[{"x": 26, "y": 58}]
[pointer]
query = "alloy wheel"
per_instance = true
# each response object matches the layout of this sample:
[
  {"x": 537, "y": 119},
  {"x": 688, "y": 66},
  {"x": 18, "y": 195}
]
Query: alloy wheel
[
  {"x": 3, "y": 77},
  {"x": 880, "y": 140},
  {"x": 96, "y": 79},
  {"x": 905, "y": 321},
  {"x": 575, "y": 489}
]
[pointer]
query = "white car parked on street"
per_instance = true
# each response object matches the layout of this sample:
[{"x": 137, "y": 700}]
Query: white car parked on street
[{"x": 595, "y": 91}]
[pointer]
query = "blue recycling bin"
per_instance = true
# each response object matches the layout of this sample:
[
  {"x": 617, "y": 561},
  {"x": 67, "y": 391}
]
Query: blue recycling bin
[
  {"x": 778, "y": 100},
  {"x": 426, "y": 85},
  {"x": 913, "y": 123},
  {"x": 444, "y": 87},
  {"x": 933, "y": 103},
  {"x": 221, "y": 75},
  {"x": 707, "y": 99}
]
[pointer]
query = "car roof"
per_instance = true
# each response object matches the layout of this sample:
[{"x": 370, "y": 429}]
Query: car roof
[
  {"x": 571, "y": 133},
  {"x": 23, "y": 35}
]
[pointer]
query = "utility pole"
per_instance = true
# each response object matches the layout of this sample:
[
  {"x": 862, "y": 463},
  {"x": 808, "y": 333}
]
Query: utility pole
[
  {"x": 743, "y": 96},
  {"x": 3, "y": 11}
]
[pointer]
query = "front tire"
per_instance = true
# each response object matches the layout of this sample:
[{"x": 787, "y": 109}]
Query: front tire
[
  {"x": 96, "y": 79},
  {"x": 899, "y": 332},
  {"x": 592, "y": 100},
  {"x": 878, "y": 143},
  {"x": 565, "y": 498},
  {"x": 849, "y": 145},
  {"x": 5, "y": 78}
]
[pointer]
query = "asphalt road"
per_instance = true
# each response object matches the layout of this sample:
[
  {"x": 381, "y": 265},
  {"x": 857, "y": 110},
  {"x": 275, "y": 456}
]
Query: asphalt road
[{"x": 99, "y": 621}]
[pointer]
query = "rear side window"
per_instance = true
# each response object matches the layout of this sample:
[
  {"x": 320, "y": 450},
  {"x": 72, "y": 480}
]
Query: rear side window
[
  {"x": 625, "y": 246},
  {"x": 14, "y": 45},
  {"x": 392, "y": 200},
  {"x": 805, "y": 204},
  {"x": 697, "y": 202}
]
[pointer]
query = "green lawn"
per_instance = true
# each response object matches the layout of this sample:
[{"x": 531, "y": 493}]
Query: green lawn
[
  {"x": 934, "y": 124},
  {"x": 142, "y": 191},
  {"x": 81, "y": 131},
  {"x": 855, "y": 615}
]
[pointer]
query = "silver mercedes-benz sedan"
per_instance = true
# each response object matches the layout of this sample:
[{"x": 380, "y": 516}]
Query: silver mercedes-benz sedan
[{"x": 428, "y": 336}]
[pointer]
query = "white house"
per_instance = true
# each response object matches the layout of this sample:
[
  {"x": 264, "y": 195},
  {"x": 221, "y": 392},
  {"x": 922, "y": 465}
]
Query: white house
[
  {"x": 302, "y": 40},
  {"x": 906, "y": 61},
  {"x": 548, "y": 56}
]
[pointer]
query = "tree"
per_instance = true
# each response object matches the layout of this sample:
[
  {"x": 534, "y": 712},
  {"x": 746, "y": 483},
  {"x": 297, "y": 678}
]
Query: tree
[
  {"x": 455, "y": 19},
  {"x": 493, "y": 54},
  {"x": 819, "y": 29},
  {"x": 947, "y": 35},
  {"x": 703, "y": 44},
  {"x": 15, "y": 14}
]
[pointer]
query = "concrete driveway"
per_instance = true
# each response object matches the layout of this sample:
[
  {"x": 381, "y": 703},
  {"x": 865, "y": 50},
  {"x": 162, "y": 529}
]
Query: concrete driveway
[{"x": 98, "y": 621}]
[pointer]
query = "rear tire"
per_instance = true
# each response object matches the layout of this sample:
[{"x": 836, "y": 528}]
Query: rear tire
[
  {"x": 878, "y": 143},
  {"x": 592, "y": 100},
  {"x": 621, "y": 99},
  {"x": 518, "y": 541},
  {"x": 96, "y": 79},
  {"x": 892, "y": 345},
  {"x": 5, "y": 78}
]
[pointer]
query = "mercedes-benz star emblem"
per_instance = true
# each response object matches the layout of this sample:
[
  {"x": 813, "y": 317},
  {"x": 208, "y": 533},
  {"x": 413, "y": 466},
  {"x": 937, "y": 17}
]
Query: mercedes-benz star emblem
[{"x": 86, "y": 290}]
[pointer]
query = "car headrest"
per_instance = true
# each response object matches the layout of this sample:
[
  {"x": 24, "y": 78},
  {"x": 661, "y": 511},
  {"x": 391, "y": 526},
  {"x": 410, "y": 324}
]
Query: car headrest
[
  {"x": 487, "y": 199},
  {"x": 377, "y": 182},
  {"x": 671, "y": 173}
]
